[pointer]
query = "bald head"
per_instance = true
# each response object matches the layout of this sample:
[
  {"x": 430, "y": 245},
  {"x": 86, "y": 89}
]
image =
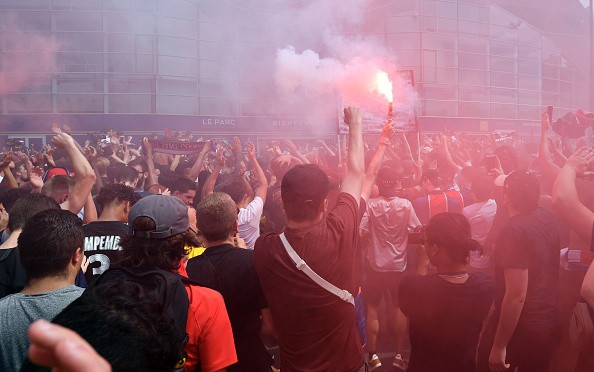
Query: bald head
[{"x": 216, "y": 217}]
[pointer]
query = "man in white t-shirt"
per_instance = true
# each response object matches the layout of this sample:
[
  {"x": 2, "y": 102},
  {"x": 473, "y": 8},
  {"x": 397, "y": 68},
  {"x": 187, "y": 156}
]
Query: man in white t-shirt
[
  {"x": 249, "y": 212},
  {"x": 386, "y": 225},
  {"x": 481, "y": 215}
]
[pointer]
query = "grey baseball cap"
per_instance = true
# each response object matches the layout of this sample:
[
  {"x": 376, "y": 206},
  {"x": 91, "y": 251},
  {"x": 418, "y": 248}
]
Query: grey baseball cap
[{"x": 169, "y": 213}]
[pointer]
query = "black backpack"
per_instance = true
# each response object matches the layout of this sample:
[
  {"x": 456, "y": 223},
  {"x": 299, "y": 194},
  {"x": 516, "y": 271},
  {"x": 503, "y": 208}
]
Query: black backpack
[{"x": 164, "y": 286}]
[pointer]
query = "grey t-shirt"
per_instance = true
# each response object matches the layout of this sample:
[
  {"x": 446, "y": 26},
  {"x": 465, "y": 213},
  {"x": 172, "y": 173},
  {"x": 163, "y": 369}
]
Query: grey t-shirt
[{"x": 18, "y": 311}]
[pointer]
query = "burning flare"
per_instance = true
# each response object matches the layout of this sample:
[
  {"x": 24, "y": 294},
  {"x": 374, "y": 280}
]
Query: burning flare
[{"x": 384, "y": 85}]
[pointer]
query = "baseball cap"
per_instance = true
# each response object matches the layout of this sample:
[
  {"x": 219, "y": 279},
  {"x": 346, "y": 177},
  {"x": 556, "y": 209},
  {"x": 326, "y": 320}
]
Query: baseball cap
[
  {"x": 305, "y": 182},
  {"x": 55, "y": 171},
  {"x": 169, "y": 214}
]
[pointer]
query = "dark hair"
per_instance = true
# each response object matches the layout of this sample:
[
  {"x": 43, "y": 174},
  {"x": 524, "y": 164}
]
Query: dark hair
[
  {"x": 181, "y": 185},
  {"x": 523, "y": 190},
  {"x": 432, "y": 175},
  {"x": 141, "y": 162},
  {"x": 126, "y": 174},
  {"x": 48, "y": 242},
  {"x": 113, "y": 171},
  {"x": 117, "y": 193},
  {"x": 451, "y": 232},
  {"x": 482, "y": 187},
  {"x": 216, "y": 216},
  {"x": 10, "y": 197},
  {"x": 508, "y": 158},
  {"x": 303, "y": 191},
  {"x": 126, "y": 326},
  {"x": 234, "y": 187},
  {"x": 27, "y": 207},
  {"x": 388, "y": 177},
  {"x": 161, "y": 253}
]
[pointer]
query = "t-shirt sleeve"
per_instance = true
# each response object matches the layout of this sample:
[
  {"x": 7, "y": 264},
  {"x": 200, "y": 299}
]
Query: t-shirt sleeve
[
  {"x": 345, "y": 214},
  {"x": 413, "y": 220},
  {"x": 252, "y": 211},
  {"x": 511, "y": 249},
  {"x": 216, "y": 345}
]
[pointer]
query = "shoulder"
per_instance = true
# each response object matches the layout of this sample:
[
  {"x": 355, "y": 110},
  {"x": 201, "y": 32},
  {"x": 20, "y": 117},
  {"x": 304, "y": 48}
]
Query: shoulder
[
  {"x": 204, "y": 299},
  {"x": 264, "y": 243}
]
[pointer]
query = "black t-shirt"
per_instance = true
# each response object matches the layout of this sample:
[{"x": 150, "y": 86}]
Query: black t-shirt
[
  {"x": 231, "y": 272},
  {"x": 102, "y": 246},
  {"x": 445, "y": 320},
  {"x": 531, "y": 241},
  {"x": 13, "y": 277}
]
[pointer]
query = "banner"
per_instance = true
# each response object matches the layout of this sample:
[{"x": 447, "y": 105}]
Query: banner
[{"x": 177, "y": 147}]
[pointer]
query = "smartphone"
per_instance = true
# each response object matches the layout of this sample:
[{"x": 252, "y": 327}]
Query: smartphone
[{"x": 491, "y": 162}]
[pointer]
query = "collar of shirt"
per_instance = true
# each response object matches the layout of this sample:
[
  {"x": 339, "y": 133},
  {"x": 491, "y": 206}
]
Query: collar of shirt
[{"x": 218, "y": 249}]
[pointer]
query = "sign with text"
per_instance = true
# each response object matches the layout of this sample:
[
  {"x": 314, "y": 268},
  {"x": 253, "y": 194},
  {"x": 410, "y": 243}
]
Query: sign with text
[{"x": 177, "y": 147}]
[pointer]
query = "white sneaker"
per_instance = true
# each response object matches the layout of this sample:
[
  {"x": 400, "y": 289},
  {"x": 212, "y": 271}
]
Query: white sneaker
[
  {"x": 374, "y": 363},
  {"x": 399, "y": 362}
]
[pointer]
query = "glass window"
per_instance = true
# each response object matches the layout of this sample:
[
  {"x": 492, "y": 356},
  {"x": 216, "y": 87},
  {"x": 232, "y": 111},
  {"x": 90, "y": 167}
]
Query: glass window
[
  {"x": 448, "y": 10},
  {"x": 28, "y": 103},
  {"x": 529, "y": 35},
  {"x": 178, "y": 27},
  {"x": 429, "y": 7},
  {"x": 484, "y": 30},
  {"x": 409, "y": 57},
  {"x": 447, "y": 75},
  {"x": 567, "y": 74},
  {"x": 429, "y": 58},
  {"x": 483, "y": 14},
  {"x": 550, "y": 85},
  {"x": 502, "y": 95},
  {"x": 504, "y": 111},
  {"x": 144, "y": 64},
  {"x": 473, "y": 109},
  {"x": 30, "y": 21},
  {"x": 504, "y": 64},
  {"x": 529, "y": 53},
  {"x": 499, "y": 48},
  {"x": 447, "y": 59},
  {"x": 550, "y": 99},
  {"x": 121, "y": 5},
  {"x": 529, "y": 82},
  {"x": 499, "y": 79},
  {"x": 529, "y": 112},
  {"x": 176, "y": 66},
  {"x": 469, "y": 93},
  {"x": 80, "y": 85},
  {"x": 143, "y": 44},
  {"x": 408, "y": 23},
  {"x": 473, "y": 61},
  {"x": 400, "y": 41},
  {"x": 176, "y": 87},
  {"x": 441, "y": 108},
  {"x": 120, "y": 63},
  {"x": 439, "y": 42},
  {"x": 550, "y": 71},
  {"x": 177, "y": 47},
  {"x": 501, "y": 17},
  {"x": 429, "y": 74},
  {"x": 528, "y": 97},
  {"x": 179, "y": 8},
  {"x": 78, "y": 21},
  {"x": 440, "y": 92},
  {"x": 177, "y": 105},
  {"x": 80, "y": 103},
  {"x": 118, "y": 22},
  {"x": 216, "y": 32},
  {"x": 120, "y": 43},
  {"x": 529, "y": 68},
  {"x": 505, "y": 33},
  {"x": 467, "y": 28},
  {"x": 473, "y": 77},
  {"x": 475, "y": 45},
  {"x": 143, "y": 23},
  {"x": 430, "y": 23},
  {"x": 467, "y": 11},
  {"x": 447, "y": 25},
  {"x": 221, "y": 106},
  {"x": 130, "y": 103},
  {"x": 217, "y": 70},
  {"x": 83, "y": 42},
  {"x": 223, "y": 88}
]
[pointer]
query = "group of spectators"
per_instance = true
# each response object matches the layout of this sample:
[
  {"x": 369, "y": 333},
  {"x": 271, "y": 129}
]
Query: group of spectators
[{"x": 146, "y": 261}]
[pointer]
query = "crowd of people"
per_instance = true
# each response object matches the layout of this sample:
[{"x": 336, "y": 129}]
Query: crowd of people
[{"x": 115, "y": 255}]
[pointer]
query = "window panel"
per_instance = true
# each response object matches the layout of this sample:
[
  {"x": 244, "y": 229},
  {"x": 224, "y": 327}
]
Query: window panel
[
  {"x": 471, "y": 44},
  {"x": 448, "y": 10},
  {"x": 502, "y": 95},
  {"x": 176, "y": 66},
  {"x": 468, "y": 93},
  {"x": 473, "y": 61},
  {"x": 503, "y": 49},
  {"x": 529, "y": 112},
  {"x": 440, "y": 92},
  {"x": 447, "y": 25},
  {"x": 504, "y": 111},
  {"x": 473, "y": 109},
  {"x": 80, "y": 103},
  {"x": 441, "y": 108},
  {"x": 528, "y": 97},
  {"x": 447, "y": 75},
  {"x": 439, "y": 42},
  {"x": 80, "y": 85},
  {"x": 499, "y": 79},
  {"x": 403, "y": 24},
  {"x": 529, "y": 82},
  {"x": 467, "y": 28},
  {"x": 79, "y": 21},
  {"x": 429, "y": 74},
  {"x": 473, "y": 77},
  {"x": 447, "y": 59},
  {"x": 504, "y": 64},
  {"x": 28, "y": 103}
]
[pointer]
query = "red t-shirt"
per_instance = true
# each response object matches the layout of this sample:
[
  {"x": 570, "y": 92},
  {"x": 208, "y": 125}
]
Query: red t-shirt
[
  {"x": 316, "y": 329},
  {"x": 210, "y": 343}
]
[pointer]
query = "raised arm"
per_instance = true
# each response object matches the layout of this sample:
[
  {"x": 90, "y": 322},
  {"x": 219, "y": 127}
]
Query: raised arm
[
  {"x": 565, "y": 195},
  {"x": 85, "y": 177},
  {"x": 197, "y": 167},
  {"x": 262, "y": 187},
  {"x": 353, "y": 182},
  {"x": 544, "y": 153},
  {"x": 211, "y": 181},
  {"x": 295, "y": 151},
  {"x": 150, "y": 163},
  {"x": 8, "y": 176},
  {"x": 376, "y": 161}
]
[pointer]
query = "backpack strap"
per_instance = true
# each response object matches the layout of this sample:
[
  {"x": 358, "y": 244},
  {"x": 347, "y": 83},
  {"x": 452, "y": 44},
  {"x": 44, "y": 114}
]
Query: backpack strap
[{"x": 301, "y": 265}]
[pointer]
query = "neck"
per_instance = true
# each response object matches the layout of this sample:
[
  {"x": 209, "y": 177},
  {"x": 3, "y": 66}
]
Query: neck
[
  {"x": 109, "y": 214},
  {"x": 450, "y": 267},
  {"x": 304, "y": 224},
  {"x": 12, "y": 241},
  {"x": 229, "y": 240},
  {"x": 47, "y": 284}
]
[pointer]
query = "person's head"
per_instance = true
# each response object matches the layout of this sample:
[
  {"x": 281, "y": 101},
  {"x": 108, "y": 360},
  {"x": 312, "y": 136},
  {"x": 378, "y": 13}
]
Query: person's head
[
  {"x": 101, "y": 164},
  {"x": 126, "y": 326},
  {"x": 431, "y": 180},
  {"x": 51, "y": 245},
  {"x": 27, "y": 207},
  {"x": 159, "y": 233},
  {"x": 508, "y": 158},
  {"x": 117, "y": 199},
  {"x": 142, "y": 169},
  {"x": 11, "y": 196},
  {"x": 304, "y": 191},
  {"x": 216, "y": 217},
  {"x": 448, "y": 240},
  {"x": 184, "y": 189},
  {"x": 482, "y": 187},
  {"x": 467, "y": 175},
  {"x": 389, "y": 179},
  {"x": 235, "y": 188},
  {"x": 21, "y": 171},
  {"x": 521, "y": 191},
  {"x": 127, "y": 176},
  {"x": 58, "y": 187},
  {"x": 113, "y": 171}
]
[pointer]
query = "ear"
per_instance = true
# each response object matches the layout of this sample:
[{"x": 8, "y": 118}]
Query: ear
[
  {"x": 64, "y": 198},
  {"x": 127, "y": 207},
  {"x": 175, "y": 193},
  {"x": 77, "y": 257},
  {"x": 325, "y": 205}
]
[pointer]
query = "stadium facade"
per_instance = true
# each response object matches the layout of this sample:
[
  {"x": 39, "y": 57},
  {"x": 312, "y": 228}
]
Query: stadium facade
[{"x": 145, "y": 65}]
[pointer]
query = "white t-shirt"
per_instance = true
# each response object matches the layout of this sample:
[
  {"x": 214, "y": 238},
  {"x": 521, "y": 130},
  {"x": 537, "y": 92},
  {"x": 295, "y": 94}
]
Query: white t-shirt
[
  {"x": 388, "y": 220},
  {"x": 248, "y": 221},
  {"x": 481, "y": 216}
]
